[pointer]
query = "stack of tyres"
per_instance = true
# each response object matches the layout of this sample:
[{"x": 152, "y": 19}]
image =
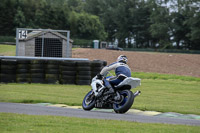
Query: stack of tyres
[
  {"x": 52, "y": 72},
  {"x": 37, "y": 71},
  {"x": 68, "y": 72},
  {"x": 104, "y": 63},
  {"x": 96, "y": 67},
  {"x": 83, "y": 76},
  {"x": 23, "y": 71},
  {"x": 8, "y": 70}
]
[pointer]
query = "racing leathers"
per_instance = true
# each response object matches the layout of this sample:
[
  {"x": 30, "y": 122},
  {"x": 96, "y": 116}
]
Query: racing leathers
[{"x": 122, "y": 71}]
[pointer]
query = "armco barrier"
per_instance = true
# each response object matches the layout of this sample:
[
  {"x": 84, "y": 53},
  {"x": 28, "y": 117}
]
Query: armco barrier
[{"x": 48, "y": 70}]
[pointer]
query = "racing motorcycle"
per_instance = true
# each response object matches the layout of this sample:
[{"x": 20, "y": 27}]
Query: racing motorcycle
[{"x": 120, "y": 101}]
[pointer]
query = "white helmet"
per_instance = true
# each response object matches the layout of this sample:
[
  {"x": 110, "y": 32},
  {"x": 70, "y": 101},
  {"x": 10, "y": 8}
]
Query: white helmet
[{"x": 122, "y": 58}]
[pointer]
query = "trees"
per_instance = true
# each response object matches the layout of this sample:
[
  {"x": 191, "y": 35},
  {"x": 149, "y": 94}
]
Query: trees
[
  {"x": 76, "y": 5},
  {"x": 159, "y": 29},
  {"x": 84, "y": 25},
  {"x": 105, "y": 10},
  {"x": 140, "y": 23},
  {"x": 60, "y": 14},
  {"x": 185, "y": 24},
  {"x": 121, "y": 19},
  {"x": 168, "y": 23},
  {"x": 194, "y": 34},
  {"x": 19, "y": 19},
  {"x": 193, "y": 24},
  {"x": 7, "y": 11},
  {"x": 134, "y": 23}
]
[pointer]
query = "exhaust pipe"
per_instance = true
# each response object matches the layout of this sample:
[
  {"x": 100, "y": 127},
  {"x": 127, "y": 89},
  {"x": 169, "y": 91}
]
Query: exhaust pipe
[{"x": 136, "y": 93}]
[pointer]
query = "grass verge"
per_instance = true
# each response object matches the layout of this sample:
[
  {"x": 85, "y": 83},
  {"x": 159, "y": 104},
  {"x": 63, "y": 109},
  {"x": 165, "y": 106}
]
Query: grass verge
[
  {"x": 169, "y": 96},
  {"x": 7, "y": 50},
  {"x": 31, "y": 123},
  {"x": 42, "y": 93},
  {"x": 144, "y": 75},
  {"x": 158, "y": 95}
]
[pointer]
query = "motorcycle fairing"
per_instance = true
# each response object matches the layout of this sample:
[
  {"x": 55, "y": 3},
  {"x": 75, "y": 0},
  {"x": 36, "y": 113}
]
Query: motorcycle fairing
[{"x": 132, "y": 82}]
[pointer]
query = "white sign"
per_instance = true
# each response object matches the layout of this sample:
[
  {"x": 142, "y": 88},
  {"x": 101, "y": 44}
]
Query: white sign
[{"x": 22, "y": 34}]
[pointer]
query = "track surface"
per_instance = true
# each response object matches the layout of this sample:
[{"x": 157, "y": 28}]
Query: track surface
[{"x": 33, "y": 109}]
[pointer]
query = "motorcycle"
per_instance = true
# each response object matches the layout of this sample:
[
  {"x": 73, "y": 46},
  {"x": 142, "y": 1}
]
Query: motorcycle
[{"x": 120, "y": 101}]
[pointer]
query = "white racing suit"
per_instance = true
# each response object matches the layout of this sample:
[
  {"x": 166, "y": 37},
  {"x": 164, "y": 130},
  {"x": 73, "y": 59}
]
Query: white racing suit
[{"x": 121, "y": 71}]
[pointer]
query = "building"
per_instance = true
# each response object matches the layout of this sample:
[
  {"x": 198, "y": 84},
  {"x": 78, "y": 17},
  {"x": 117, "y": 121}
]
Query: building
[{"x": 48, "y": 43}]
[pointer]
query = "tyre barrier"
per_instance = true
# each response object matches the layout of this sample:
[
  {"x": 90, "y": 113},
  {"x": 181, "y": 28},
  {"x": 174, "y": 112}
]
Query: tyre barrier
[
  {"x": 37, "y": 72},
  {"x": 49, "y": 71},
  {"x": 23, "y": 71},
  {"x": 68, "y": 72},
  {"x": 8, "y": 70},
  {"x": 52, "y": 71},
  {"x": 96, "y": 66},
  {"x": 83, "y": 76}
]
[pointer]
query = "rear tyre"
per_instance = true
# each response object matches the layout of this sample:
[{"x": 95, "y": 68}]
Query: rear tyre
[
  {"x": 88, "y": 101},
  {"x": 126, "y": 103}
]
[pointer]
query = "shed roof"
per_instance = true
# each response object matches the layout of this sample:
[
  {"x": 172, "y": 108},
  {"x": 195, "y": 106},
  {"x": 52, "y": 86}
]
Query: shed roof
[{"x": 34, "y": 34}]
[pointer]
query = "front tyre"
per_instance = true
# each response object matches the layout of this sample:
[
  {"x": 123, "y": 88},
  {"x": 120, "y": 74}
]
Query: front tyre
[
  {"x": 126, "y": 103},
  {"x": 89, "y": 101}
]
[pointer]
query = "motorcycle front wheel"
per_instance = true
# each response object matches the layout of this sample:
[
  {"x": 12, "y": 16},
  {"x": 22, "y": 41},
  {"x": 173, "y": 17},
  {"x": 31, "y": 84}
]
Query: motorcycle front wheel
[
  {"x": 126, "y": 102},
  {"x": 88, "y": 101}
]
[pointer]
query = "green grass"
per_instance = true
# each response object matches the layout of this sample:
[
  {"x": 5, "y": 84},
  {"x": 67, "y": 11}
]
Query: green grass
[
  {"x": 160, "y": 76},
  {"x": 7, "y": 50},
  {"x": 169, "y": 96},
  {"x": 38, "y": 93},
  {"x": 160, "y": 92},
  {"x": 144, "y": 75},
  {"x": 157, "y": 95},
  {"x": 19, "y": 123}
]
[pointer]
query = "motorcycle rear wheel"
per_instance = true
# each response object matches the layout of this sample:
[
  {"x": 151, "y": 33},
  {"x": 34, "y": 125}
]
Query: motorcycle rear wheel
[
  {"x": 126, "y": 103},
  {"x": 88, "y": 101}
]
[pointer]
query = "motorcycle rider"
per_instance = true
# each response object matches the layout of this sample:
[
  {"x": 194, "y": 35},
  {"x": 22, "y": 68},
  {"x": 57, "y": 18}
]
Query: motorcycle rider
[{"x": 122, "y": 71}]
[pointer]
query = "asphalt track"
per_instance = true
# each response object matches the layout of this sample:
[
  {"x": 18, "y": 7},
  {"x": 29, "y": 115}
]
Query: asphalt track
[{"x": 35, "y": 109}]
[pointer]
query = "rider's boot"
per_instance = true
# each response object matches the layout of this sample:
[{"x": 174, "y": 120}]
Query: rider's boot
[{"x": 109, "y": 86}]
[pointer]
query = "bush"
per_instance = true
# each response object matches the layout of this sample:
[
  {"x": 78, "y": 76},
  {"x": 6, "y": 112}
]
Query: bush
[
  {"x": 82, "y": 43},
  {"x": 7, "y": 39},
  {"x": 164, "y": 50}
]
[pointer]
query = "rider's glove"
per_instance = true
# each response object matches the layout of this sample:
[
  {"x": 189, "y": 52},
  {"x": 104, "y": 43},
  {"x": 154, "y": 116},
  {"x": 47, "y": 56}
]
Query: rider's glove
[{"x": 99, "y": 76}]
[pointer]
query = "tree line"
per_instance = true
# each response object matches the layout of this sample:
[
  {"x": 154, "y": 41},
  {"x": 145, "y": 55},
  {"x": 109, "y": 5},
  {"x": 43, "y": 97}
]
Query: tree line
[
  {"x": 133, "y": 23},
  {"x": 49, "y": 14}
]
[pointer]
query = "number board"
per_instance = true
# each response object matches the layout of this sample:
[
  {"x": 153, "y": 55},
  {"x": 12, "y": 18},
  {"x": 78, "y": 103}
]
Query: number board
[{"x": 22, "y": 34}]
